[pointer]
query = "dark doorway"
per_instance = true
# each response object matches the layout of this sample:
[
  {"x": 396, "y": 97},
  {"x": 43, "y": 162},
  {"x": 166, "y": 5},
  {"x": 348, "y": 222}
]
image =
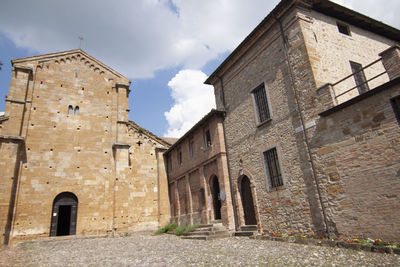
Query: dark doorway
[
  {"x": 64, "y": 213},
  {"x": 216, "y": 198},
  {"x": 247, "y": 201},
  {"x": 64, "y": 220}
]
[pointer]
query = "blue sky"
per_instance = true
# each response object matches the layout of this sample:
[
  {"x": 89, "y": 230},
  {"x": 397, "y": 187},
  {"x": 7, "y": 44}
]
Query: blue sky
[{"x": 166, "y": 48}]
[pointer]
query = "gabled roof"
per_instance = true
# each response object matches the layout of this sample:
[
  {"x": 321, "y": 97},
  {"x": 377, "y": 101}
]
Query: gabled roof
[
  {"x": 148, "y": 133},
  {"x": 49, "y": 56},
  {"x": 323, "y": 6},
  {"x": 213, "y": 112}
]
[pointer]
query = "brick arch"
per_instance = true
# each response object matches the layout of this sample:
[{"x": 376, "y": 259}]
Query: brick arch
[{"x": 247, "y": 209}]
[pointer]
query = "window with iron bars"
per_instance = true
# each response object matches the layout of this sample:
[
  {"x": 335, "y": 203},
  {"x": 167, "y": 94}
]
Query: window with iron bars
[
  {"x": 396, "y": 107},
  {"x": 261, "y": 102},
  {"x": 273, "y": 168}
]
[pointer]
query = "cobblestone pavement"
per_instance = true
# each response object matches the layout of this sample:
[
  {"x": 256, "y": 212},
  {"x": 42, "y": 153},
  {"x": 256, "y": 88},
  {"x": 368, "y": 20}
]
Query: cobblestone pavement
[{"x": 167, "y": 250}]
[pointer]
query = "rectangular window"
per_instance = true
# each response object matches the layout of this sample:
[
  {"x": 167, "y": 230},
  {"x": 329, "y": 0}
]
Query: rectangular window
[
  {"x": 343, "y": 28},
  {"x": 359, "y": 77},
  {"x": 274, "y": 170},
  {"x": 179, "y": 157},
  {"x": 207, "y": 138},
  {"x": 169, "y": 163},
  {"x": 191, "y": 148},
  {"x": 261, "y": 102},
  {"x": 396, "y": 107}
]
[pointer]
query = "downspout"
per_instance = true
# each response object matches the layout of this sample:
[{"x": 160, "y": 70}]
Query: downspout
[
  {"x": 285, "y": 48},
  {"x": 227, "y": 158}
]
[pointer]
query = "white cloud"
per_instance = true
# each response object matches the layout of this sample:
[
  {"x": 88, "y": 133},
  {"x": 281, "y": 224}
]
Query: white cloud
[
  {"x": 192, "y": 98},
  {"x": 385, "y": 11},
  {"x": 136, "y": 37}
]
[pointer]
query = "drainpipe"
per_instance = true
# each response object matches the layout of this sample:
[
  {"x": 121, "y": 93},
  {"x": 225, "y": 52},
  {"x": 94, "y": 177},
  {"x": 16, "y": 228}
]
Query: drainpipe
[
  {"x": 285, "y": 48},
  {"x": 227, "y": 158}
]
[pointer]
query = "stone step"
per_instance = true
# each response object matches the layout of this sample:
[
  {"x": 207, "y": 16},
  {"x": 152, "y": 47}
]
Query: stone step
[
  {"x": 244, "y": 233},
  {"x": 203, "y": 229},
  {"x": 248, "y": 228},
  {"x": 204, "y": 233},
  {"x": 216, "y": 221},
  {"x": 205, "y": 226},
  {"x": 195, "y": 237}
]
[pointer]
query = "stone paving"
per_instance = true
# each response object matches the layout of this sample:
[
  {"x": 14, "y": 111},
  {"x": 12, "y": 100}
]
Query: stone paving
[{"x": 143, "y": 249}]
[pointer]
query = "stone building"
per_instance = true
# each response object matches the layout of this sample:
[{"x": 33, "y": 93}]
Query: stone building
[
  {"x": 198, "y": 175},
  {"x": 310, "y": 103},
  {"x": 70, "y": 160}
]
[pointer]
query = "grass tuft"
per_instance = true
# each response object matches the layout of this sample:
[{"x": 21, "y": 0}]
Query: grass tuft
[{"x": 168, "y": 228}]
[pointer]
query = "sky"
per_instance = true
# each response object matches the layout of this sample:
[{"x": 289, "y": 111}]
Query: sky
[{"x": 167, "y": 48}]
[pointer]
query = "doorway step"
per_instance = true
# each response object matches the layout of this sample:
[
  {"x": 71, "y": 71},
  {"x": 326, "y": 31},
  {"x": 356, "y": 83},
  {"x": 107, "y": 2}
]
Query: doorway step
[
  {"x": 208, "y": 231},
  {"x": 247, "y": 230}
]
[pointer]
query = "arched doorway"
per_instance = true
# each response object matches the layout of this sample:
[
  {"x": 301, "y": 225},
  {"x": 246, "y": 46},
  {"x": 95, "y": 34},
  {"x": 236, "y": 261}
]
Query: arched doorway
[
  {"x": 247, "y": 201},
  {"x": 216, "y": 197},
  {"x": 63, "y": 216}
]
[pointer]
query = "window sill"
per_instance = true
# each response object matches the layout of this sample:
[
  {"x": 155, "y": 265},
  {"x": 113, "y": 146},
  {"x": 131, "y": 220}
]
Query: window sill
[
  {"x": 204, "y": 149},
  {"x": 264, "y": 123},
  {"x": 279, "y": 188}
]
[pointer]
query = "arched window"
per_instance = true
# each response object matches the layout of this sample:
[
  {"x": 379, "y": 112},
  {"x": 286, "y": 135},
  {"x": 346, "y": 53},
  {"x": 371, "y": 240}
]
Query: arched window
[
  {"x": 76, "y": 111},
  {"x": 70, "y": 109}
]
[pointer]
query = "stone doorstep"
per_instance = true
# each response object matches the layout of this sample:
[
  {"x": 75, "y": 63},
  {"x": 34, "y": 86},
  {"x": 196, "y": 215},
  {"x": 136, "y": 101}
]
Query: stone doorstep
[
  {"x": 249, "y": 228},
  {"x": 331, "y": 243},
  {"x": 205, "y": 226},
  {"x": 203, "y": 229},
  {"x": 245, "y": 233}
]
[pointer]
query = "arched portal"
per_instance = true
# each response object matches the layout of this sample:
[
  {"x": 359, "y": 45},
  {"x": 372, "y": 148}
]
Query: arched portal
[
  {"x": 216, "y": 197},
  {"x": 247, "y": 201},
  {"x": 64, "y": 213}
]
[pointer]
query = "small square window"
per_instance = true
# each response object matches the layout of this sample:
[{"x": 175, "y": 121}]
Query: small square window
[
  {"x": 396, "y": 107},
  {"x": 343, "y": 28}
]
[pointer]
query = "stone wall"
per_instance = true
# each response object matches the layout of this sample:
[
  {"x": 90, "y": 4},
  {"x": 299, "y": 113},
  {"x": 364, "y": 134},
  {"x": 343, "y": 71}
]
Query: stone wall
[
  {"x": 286, "y": 208},
  {"x": 11, "y": 158},
  {"x": 330, "y": 51},
  {"x": 67, "y": 150},
  {"x": 357, "y": 152},
  {"x": 311, "y": 54}
]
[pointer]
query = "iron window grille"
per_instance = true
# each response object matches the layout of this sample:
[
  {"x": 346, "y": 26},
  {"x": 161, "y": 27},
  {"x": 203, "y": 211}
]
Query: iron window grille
[
  {"x": 396, "y": 107},
  {"x": 274, "y": 170},
  {"x": 261, "y": 102}
]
